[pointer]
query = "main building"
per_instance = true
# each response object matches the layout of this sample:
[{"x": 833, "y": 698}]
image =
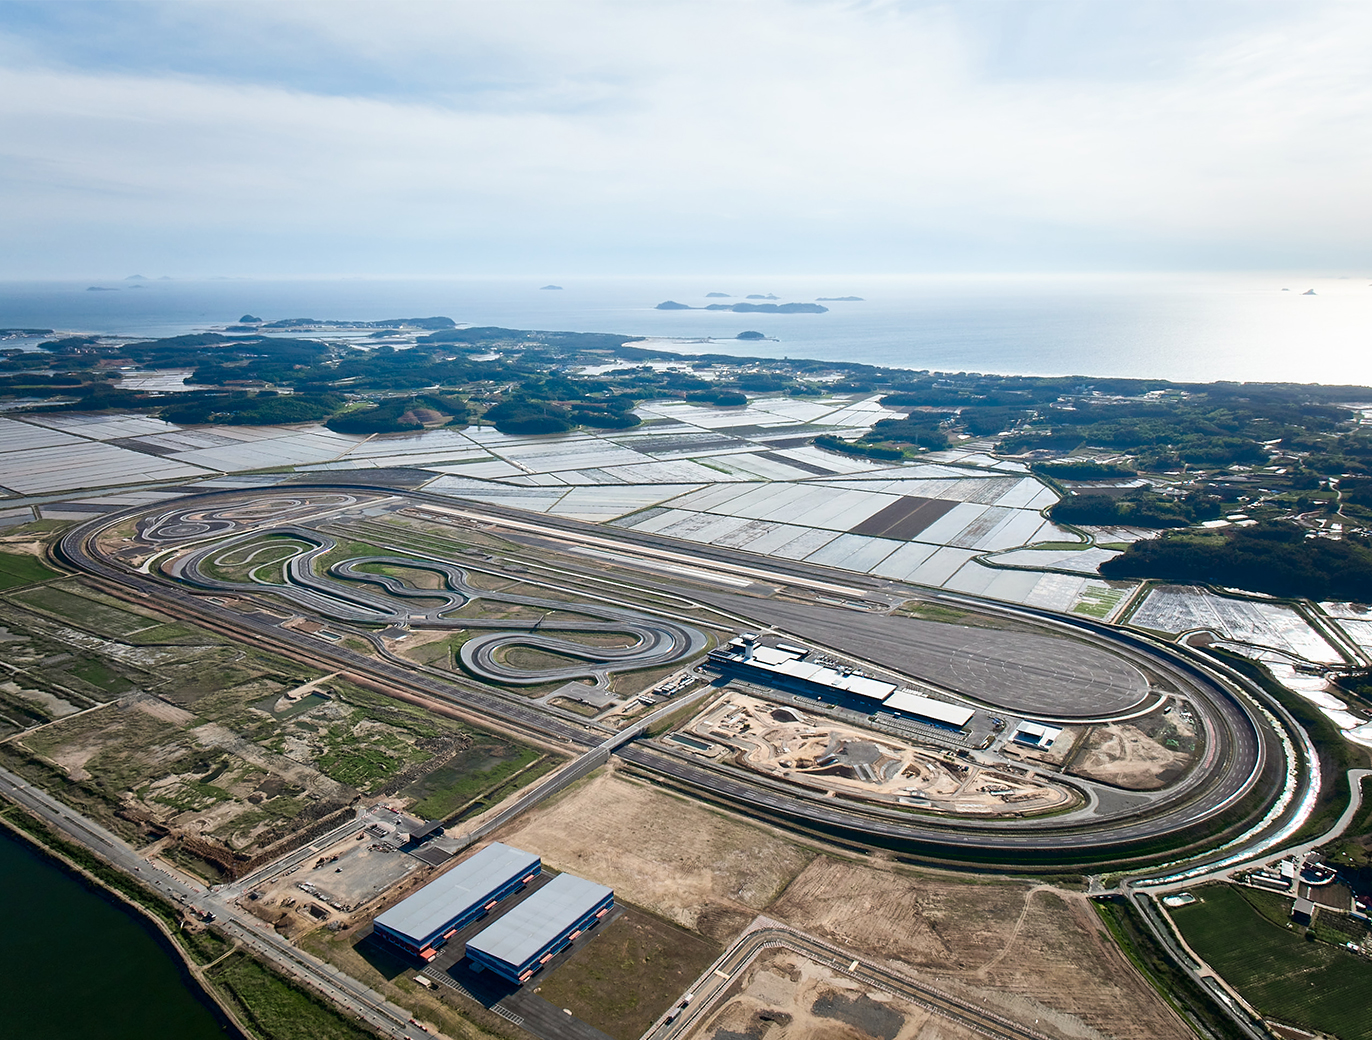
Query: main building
[
  {"x": 424, "y": 921},
  {"x": 786, "y": 667}
]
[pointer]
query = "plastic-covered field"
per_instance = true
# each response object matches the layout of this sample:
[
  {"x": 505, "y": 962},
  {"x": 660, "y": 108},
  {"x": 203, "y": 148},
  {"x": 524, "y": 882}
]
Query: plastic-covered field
[
  {"x": 1184, "y": 608},
  {"x": 742, "y": 478}
]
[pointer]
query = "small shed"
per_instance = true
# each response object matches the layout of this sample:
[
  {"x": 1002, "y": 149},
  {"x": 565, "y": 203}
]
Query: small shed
[{"x": 1302, "y": 911}]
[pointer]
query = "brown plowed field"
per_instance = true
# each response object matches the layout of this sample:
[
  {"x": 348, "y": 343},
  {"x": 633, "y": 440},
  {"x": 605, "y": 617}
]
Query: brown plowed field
[
  {"x": 1051, "y": 961},
  {"x": 693, "y": 866}
]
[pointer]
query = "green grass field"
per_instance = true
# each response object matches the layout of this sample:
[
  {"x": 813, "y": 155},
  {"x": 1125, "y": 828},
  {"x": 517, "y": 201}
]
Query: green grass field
[
  {"x": 68, "y": 603},
  {"x": 1303, "y": 983},
  {"x": 275, "y": 1008},
  {"x": 485, "y": 768},
  {"x": 628, "y": 975},
  {"x": 1098, "y": 602},
  {"x": 22, "y": 570}
]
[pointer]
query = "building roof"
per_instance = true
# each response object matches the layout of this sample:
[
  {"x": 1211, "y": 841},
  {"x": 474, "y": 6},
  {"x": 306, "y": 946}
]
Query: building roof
[
  {"x": 1036, "y": 734},
  {"x": 426, "y": 829},
  {"x": 876, "y": 689},
  {"x": 803, "y": 670},
  {"x": 928, "y": 708},
  {"x": 419, "y": 916},
  {"x": 540, "y": 919}
]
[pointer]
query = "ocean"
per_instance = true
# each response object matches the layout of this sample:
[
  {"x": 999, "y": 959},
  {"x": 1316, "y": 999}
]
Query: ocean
[
  {"x": 75, "y": 966},
  {"x": 1247, "y": 327}
]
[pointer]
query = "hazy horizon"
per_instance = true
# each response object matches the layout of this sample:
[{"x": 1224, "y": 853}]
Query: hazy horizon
[{"x": 609, "y": 138}]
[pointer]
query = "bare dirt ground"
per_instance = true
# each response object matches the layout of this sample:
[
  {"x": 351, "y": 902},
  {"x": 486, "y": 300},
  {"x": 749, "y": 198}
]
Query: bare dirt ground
[
  {"x": 1123, "y": 754},
  {"x": 782, "y": 994},
  {"x": 1033, "y": 953},
  {"x": 1030, "y": 952},
  {"x": 692, "y": 866},
  {"x": 815, "y": 752}
]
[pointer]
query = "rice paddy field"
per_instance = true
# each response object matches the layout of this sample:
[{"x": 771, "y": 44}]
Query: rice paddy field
[
  {"x": 1184, "y": 608},
  {"x": 1355, "y": 619},
  {"x": 16, "y": 569},
  {"x": 745, "y": 478},
  {"x": 1307, "y": 984}
]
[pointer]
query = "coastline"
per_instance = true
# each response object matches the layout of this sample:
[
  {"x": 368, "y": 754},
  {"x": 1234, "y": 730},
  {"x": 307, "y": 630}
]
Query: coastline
[
  {"x": 191, "y": 974},
  {"x": 1187, "y": 328}
]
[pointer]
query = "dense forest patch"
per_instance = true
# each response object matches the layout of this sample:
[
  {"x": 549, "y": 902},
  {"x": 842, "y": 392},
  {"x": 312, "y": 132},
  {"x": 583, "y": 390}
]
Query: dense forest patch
[{"x": 1279, "y": 559}]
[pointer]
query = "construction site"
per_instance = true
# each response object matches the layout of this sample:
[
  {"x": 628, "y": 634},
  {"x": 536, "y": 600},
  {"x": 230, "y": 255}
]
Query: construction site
[{"x": 811, "y": 750}]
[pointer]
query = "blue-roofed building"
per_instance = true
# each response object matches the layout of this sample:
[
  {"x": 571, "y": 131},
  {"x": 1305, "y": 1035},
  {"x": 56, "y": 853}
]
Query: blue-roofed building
[
  {"x": 531, "y": 934},
  {"x": 424, "y": 921}
]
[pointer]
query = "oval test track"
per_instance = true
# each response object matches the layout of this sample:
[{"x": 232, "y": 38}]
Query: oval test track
[{"x": 1235, "y": 757}]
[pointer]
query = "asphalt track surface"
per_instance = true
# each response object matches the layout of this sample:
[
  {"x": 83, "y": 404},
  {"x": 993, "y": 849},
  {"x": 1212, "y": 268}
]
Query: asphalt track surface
[
  {"x": 1239, "y": 746},
  {"x": 342, "y": 593},
  {"x": 1021, "y": 672}
]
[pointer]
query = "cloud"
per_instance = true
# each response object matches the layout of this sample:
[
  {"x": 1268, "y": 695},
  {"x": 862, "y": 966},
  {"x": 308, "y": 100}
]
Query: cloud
[{"x": 609, "y": 136}]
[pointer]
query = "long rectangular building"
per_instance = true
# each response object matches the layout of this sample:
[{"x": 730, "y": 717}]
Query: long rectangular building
[
  {"x": 926, "y": 709},
  {"x": 538, "y": 929},
  {"x": 424, "y": 921},
  {"x": 786, "y": 668}
]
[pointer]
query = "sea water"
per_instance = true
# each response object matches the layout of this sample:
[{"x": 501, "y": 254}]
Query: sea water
[
  {"x": 1181, "y": 327},
  {"x": 74, "y": 965}
]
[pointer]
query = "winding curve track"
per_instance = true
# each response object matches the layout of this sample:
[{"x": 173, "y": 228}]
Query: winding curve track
[{"x": 340, "y": 593}]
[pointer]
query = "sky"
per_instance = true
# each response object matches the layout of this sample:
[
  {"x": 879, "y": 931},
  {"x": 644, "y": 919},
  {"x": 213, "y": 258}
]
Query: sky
[{"x": 663, "y": 137}]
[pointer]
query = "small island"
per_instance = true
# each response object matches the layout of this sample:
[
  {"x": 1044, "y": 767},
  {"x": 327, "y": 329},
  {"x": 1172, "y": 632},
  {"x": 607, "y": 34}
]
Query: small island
[
  {"x": 840, "y": 299},
  {"x": 747, "y": 308},
  {"x": 769, "y": 308},
  {"x": 750, "y": 335},
  {"x": 543, "y": 287}
]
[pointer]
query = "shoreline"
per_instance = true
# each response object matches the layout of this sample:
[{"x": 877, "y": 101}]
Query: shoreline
[
  {"x": 1182, "y": 327},
  {"x": 190, "y": 973}
]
